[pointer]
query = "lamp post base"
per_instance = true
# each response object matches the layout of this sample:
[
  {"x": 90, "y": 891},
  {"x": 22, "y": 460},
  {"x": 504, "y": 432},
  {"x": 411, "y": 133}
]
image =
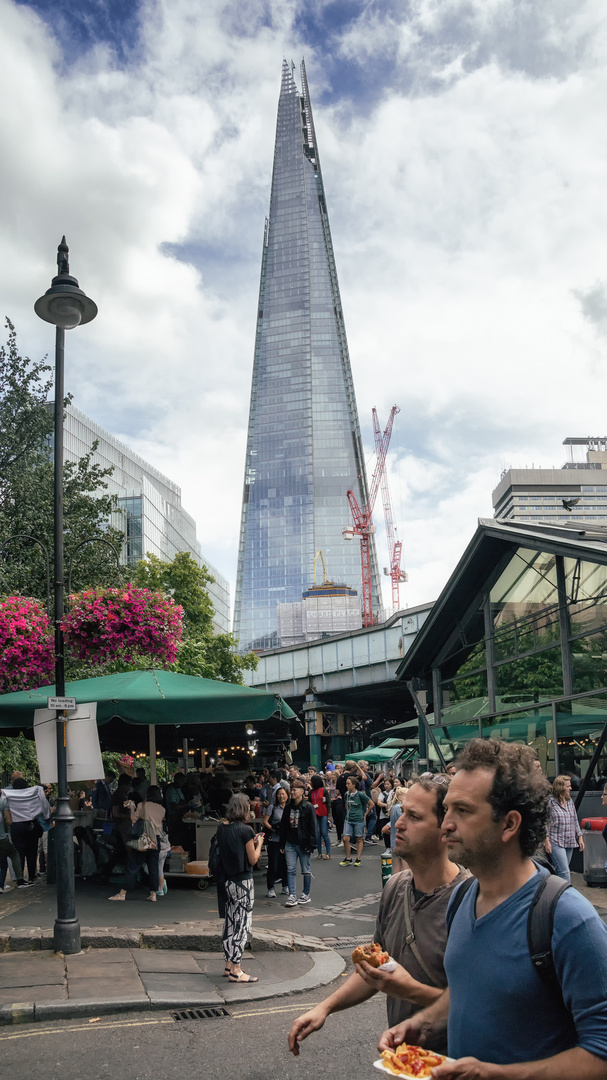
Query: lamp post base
[{"x": 67, "y": 936}]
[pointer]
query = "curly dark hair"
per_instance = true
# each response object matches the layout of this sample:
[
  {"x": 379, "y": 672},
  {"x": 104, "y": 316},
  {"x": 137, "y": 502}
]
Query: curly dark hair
[
  {"x": 317, "y": 782},
  {"x": 438, "y": 786},
  {"x": 517, "y": 785}
]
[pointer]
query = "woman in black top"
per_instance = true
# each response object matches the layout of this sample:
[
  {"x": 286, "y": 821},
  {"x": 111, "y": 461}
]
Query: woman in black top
[{"x": 239, "y": 851}]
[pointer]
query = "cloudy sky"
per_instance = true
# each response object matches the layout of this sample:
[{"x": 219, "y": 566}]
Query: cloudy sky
[{"x": 464, "y": 159}]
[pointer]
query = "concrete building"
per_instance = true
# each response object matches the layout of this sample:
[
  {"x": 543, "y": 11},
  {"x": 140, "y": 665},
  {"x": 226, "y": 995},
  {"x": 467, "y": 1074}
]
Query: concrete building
[
  {"x": 577, "y": 491},
  {"x": 151, "y": 512},
  {"x": 323, "y": 610}
]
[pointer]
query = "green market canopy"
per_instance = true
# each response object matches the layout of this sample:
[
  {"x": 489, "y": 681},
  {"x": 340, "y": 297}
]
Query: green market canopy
[{"x": 154, "y": 697}]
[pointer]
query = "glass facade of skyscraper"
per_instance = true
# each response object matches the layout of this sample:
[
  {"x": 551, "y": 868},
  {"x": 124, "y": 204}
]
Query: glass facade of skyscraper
[{"x": 304, "y": 448}]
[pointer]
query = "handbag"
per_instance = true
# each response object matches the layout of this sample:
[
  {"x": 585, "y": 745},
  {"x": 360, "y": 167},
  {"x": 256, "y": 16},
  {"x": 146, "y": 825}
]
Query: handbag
[{"x": 142, "y": 836}]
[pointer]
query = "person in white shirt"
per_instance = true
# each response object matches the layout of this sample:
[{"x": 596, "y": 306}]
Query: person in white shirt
[{"x": 26, "y": 804}]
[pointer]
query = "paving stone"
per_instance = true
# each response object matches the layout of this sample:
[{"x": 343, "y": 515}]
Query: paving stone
[
  {"x": 51, "y": 992},
  {"x": 148, "y": 960},
  {"x": 91, "y": 970},
  {"x": 101, "y": 957},
  {"x": 26, "y": 977},
  {"x": 104, "y": 987},
  {"x": 173, "y": 984}
]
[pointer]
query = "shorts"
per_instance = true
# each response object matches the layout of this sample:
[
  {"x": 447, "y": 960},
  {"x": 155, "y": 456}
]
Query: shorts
[{"x": 354, "y": 828}]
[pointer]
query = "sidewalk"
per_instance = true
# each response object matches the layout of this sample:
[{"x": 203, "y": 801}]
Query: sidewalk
[
  {"x": 42, "y": 986},
  {"x": 167, "y": 955}
]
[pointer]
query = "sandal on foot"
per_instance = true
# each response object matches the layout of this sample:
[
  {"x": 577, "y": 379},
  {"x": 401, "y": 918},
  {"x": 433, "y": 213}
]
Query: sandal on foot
[
  {"x": 226, "y": 971},
  {"x": 152, "y": 899},
  {"x": 117, "y": 897},
  {"x": 242, "y": 977}
]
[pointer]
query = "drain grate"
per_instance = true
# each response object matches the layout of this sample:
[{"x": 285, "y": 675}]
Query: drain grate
[{"x": 200, "y": 1014}]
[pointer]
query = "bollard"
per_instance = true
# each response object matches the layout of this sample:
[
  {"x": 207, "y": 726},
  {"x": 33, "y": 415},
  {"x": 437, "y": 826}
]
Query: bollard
[{"x": 386, "y": 867}]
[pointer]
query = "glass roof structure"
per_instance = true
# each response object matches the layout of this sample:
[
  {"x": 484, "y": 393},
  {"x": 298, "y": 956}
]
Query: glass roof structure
[{"x": 304, "y": 446}]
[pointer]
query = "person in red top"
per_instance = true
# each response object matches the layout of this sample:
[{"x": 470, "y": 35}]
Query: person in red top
[{"x": 319, "y": 797}]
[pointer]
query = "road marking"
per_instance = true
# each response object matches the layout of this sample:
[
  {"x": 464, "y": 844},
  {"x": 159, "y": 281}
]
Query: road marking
[
  {"x": 278, "y": 1009},
  {"x": 144, "y": 1023},
  {"x": 87, "y": 1027}
]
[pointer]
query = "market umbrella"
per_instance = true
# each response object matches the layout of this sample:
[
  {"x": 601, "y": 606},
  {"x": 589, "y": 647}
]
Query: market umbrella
[{"x": 153, "y": 697}]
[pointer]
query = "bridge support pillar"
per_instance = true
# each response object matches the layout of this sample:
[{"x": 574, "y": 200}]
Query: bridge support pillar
[{"x": 315, "y": 751}]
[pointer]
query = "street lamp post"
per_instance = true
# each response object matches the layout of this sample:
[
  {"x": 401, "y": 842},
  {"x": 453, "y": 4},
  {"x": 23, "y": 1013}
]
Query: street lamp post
[{"x": 66, "y": 306}]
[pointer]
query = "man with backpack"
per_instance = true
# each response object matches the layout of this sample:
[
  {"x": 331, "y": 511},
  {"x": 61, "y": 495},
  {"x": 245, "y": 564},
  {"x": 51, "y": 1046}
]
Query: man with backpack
[
  {"x": 410, "y": 922},
  {"x": 505, "y": 1016}
]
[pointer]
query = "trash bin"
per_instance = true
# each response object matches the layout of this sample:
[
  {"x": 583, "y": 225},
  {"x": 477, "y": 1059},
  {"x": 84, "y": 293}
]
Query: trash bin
[{"x": 595, "y": 851}]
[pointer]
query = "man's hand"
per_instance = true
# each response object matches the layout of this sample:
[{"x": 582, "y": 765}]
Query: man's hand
[
  {"x": 304, "y": 1026},
  {"x": 410, "y": 1031},
  {"x": 398, "y": 983},
  {"x": 467, "y": 1068}
]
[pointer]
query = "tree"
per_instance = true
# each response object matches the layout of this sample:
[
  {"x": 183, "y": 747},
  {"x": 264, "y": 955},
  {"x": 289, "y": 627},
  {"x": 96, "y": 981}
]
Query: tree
[
  {"x": 201, "y": 652},
  {"x": 26, "y": 488}
]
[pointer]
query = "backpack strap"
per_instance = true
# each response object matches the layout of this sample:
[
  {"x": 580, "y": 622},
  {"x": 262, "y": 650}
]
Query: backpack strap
[
  {"x": 457, "y": 898},
  {"x": 540, "y": 923}
]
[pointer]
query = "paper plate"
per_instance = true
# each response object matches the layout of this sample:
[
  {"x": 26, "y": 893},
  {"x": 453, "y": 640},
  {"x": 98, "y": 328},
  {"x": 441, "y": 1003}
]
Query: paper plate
[{"x": 407, "y": 1076}]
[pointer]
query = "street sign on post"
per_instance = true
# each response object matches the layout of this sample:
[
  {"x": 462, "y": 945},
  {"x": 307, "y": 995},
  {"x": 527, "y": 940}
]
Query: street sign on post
[{"x": 56, "y": 704}]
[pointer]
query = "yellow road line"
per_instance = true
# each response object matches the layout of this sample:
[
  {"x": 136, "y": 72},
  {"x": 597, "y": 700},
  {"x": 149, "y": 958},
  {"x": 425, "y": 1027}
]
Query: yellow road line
[
  {"x": 146, "y": 1023},
  {"x": 83, "y": 1027},
  {"x": 277, "y": 1009}
]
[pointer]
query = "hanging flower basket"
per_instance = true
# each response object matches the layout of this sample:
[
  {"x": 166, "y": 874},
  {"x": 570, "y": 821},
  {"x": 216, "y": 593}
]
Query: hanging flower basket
[
  {"x": 27, "y": 655},
  {"x": 127, "y": 624}
]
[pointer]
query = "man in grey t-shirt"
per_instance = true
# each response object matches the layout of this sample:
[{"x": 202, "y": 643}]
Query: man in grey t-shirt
[{"x": 410, "y": 922}]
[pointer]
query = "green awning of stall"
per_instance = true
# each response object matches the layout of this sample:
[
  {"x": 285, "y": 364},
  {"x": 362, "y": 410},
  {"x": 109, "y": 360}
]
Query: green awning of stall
[
  {"x": 153, "y": 697},
  {"x": 374, "y": 755}
]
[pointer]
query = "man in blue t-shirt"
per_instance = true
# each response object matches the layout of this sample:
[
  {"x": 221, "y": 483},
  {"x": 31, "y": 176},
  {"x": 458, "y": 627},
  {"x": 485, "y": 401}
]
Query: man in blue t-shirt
[{"x": 503, "y": 1022}]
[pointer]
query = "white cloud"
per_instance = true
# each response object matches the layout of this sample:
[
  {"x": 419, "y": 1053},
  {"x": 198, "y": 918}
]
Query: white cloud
[{"x": 467, "y": 207}]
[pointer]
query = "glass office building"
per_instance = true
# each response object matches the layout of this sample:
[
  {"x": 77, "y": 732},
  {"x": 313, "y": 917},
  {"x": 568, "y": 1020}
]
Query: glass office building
[
  {"x": 151, "y": 515},
  {"x": 304, "y": 447}
]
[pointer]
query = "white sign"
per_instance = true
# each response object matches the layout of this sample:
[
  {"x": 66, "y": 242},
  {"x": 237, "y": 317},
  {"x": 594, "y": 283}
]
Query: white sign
[
  {"x": 83, "y": 752},
  {"x": 58, "y": 703}
]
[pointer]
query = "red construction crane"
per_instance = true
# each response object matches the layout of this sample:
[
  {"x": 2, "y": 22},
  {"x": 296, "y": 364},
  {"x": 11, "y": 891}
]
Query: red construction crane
[
  {"x": 363, "y": 526},
  {"x": 395, "y": 547}
]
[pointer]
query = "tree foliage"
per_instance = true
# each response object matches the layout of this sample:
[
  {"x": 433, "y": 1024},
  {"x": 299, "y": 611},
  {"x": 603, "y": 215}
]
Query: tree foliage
[
  {"x": 201, "y": 652},
  {"x": 26, "y": 488}
]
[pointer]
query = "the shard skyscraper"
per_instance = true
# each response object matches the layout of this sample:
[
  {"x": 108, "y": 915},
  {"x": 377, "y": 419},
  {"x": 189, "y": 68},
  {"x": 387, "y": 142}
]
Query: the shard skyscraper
[{"x": 304, "y": 447}]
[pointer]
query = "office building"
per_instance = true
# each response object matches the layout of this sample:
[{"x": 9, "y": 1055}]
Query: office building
[
  {"x": 577, "y": 491},
  {"x": 151, "y": 516},
  {"x": 304, "y": 447}
]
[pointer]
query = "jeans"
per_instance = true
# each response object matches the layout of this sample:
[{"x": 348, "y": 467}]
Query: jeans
[
  {"x": 25, "y": 836},
  {"x": 293, "y": 852},
  {"x": 277, "y": 867},
  {"x": 338, "y": 813},
  {"x": 561, "y": 857},
  {"x": 371, "y": 824},
  {"x": 322, "y": 833},
  {"x": 9, "y": 851},
  {"x": 136, "y": 860}
]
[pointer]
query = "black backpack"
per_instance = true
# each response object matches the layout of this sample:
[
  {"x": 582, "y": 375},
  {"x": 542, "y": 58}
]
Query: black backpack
[
  {"x": 216, "y": 869},
  {"x": 540, "y": 923}
]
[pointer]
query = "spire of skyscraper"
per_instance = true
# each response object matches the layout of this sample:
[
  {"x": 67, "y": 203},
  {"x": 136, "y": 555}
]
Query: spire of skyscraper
[{"x": 304, "y": 447}]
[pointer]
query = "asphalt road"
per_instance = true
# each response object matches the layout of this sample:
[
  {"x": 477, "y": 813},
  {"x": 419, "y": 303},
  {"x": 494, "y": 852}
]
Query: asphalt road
[{"x": 248, "y": 1045}]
